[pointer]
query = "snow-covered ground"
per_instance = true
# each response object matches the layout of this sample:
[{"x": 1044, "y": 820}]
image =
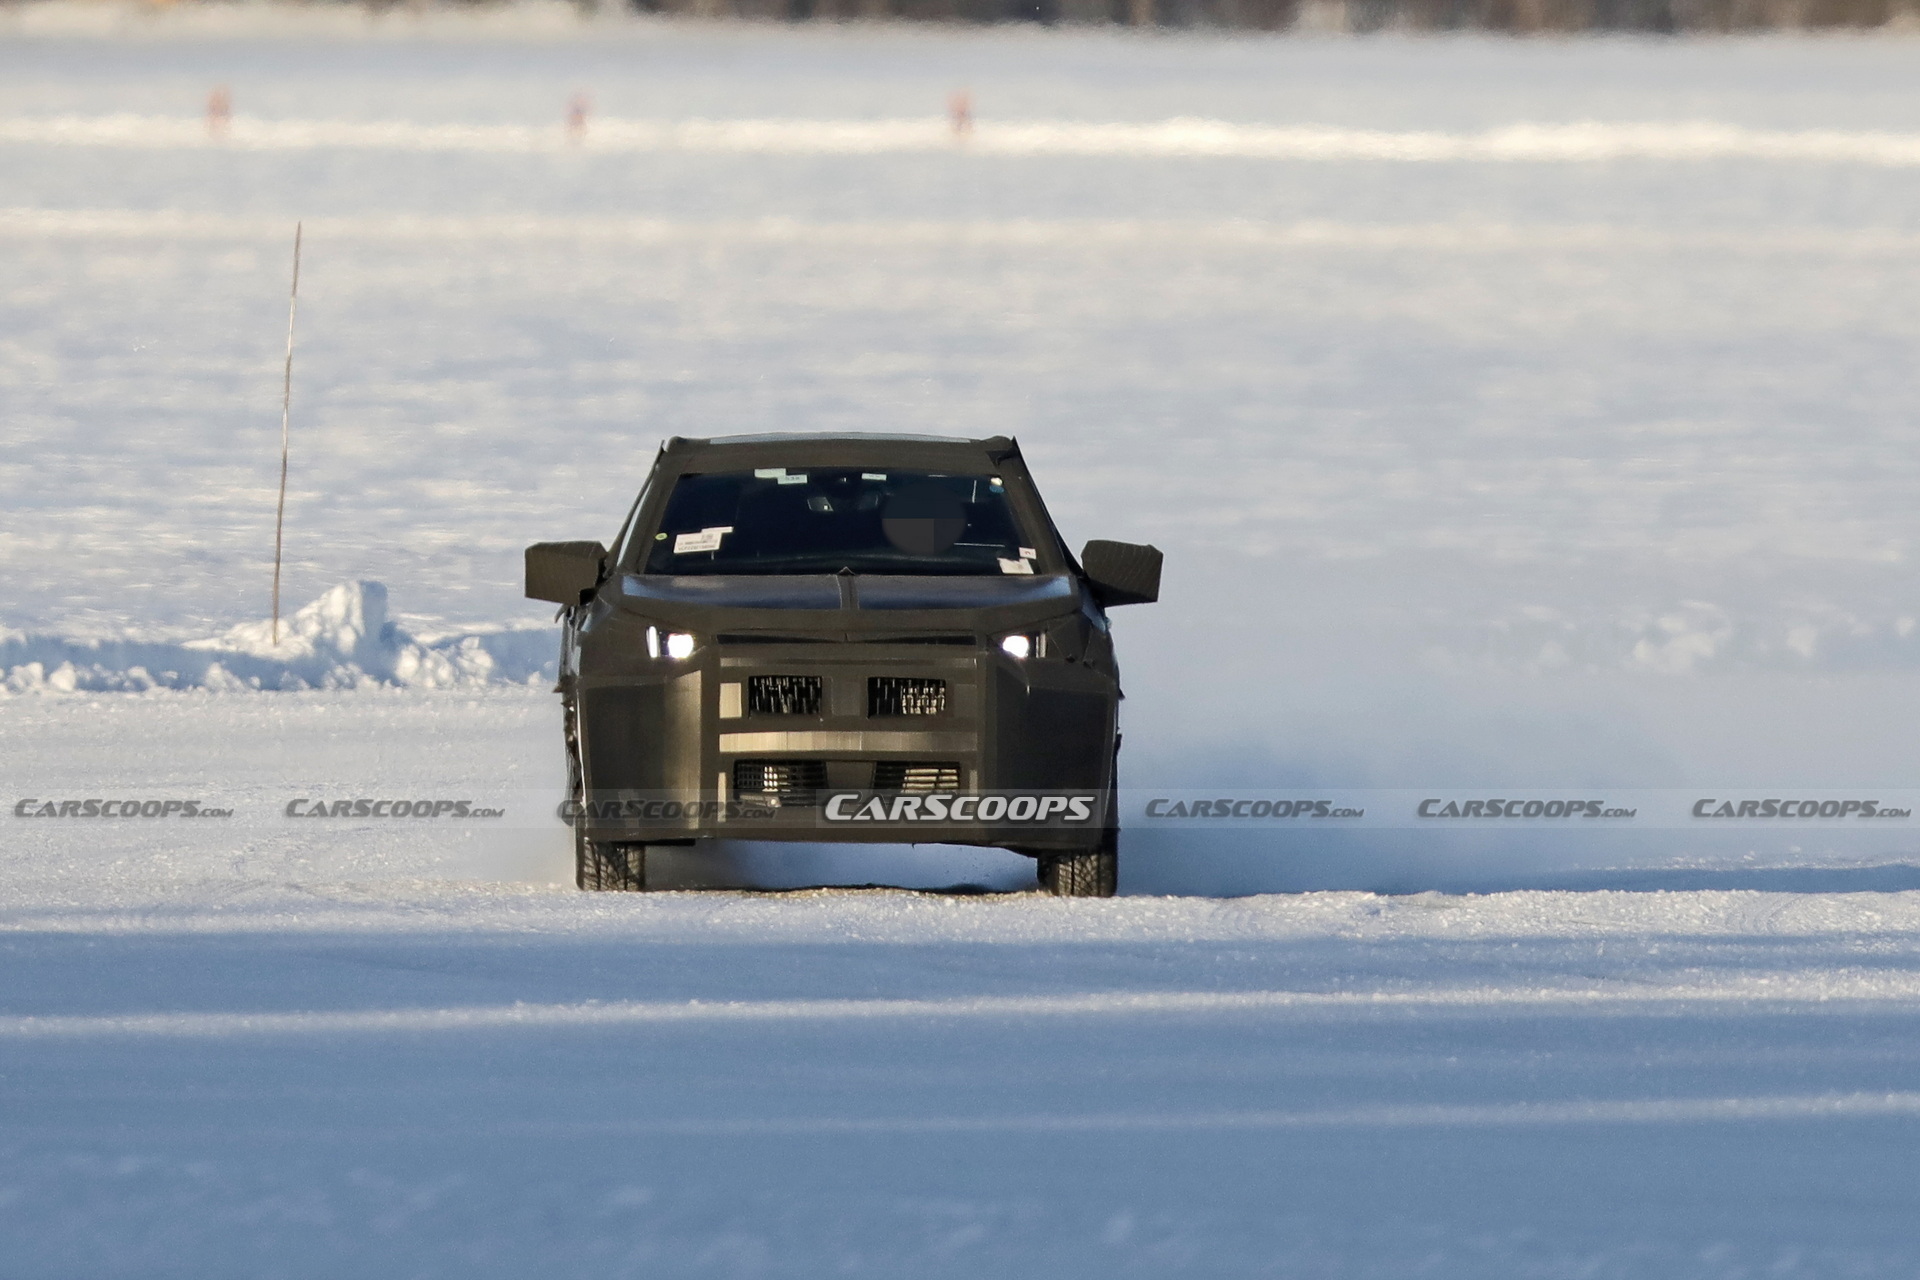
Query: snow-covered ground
[
  {"x": 430, "y": 1081},
  {"x": 1513, "y": 415},
  {"x": 244, "y": 1049}
]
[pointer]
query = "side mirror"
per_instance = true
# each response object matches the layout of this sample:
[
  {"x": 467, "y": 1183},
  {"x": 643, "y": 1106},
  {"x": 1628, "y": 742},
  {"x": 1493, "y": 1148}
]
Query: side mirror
[
  {"x": 1122, "y": 572},
  {"x": 564, "y": 572}
]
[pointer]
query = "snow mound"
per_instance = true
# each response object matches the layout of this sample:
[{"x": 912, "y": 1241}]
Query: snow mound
[{"x": 343, "y": 640}]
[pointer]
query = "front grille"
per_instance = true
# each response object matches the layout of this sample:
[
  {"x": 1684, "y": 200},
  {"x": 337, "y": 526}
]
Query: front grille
[
  {"x": 916, "y": 775},
  {"x": 792, "y": 781},
  {"x": 905, "y": 696},
  {"x": 783, "y": 695}
]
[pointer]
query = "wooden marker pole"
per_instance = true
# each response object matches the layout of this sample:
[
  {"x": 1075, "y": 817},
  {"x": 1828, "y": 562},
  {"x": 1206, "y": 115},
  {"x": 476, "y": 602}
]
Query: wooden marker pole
[{"x": 286, "y": 417}]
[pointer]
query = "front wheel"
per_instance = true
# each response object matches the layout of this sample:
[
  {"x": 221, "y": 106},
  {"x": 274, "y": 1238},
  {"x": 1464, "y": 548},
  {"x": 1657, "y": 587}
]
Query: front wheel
[
  {"x": 597, "y": 864},
  {"x": 1081, "y": 875},
  {"x": 605, "y": 865},
  {"x": 1096, "y": 873}
]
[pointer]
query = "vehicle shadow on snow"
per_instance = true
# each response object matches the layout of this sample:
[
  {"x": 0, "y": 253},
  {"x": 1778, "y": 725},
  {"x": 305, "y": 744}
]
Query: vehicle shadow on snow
[{"x": 769, "y": 867}]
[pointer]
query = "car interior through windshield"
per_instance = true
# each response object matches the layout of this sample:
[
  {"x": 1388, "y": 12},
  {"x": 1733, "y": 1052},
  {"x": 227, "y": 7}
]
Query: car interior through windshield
[{"x": 825, "y": 519}]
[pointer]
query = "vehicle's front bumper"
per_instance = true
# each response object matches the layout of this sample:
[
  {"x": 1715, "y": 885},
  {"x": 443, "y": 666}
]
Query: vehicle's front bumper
[{"x": 680, "y": 752}]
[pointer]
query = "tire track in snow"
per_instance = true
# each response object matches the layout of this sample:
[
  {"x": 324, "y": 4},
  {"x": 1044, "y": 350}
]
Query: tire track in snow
[
  {"x": 1600, "y": 1111},
  {"x": 1806, "y": 986},
  {"x": 1438, "y": 1115}
]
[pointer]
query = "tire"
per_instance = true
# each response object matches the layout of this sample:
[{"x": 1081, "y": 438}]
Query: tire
[
  {"x": 606, "y": 866},
  {"x": 1095, "y": 874},
  {"x": 602, "y": 865}
]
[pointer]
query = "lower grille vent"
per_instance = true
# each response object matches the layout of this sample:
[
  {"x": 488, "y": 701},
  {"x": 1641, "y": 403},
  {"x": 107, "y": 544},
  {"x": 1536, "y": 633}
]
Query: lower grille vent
[
  {"x": 905, "y": 696},
  {"x": 793, "y": 782},
  {"x": 783, "y": 695},
  {"x": 900, "y": 775}
]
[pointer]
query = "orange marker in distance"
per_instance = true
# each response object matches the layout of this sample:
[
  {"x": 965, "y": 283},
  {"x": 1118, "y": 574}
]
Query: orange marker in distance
[
  {"x": 960, "y": 111},
  {"x": 219, "y": 111}
]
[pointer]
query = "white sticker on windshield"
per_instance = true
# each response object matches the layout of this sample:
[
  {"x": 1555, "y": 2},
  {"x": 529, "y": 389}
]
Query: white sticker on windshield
[
  {"x": 768, "y": 473},
  {"x": 873, "y": 475},
  {"x": 1016, "y": 566},
  {"x": 705, "y": 540},
  {"x": 790, "y": 479},
  {"x": 1028, "y": 553}
]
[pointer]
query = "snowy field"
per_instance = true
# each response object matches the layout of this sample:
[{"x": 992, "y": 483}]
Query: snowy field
[{"x": 1512, "y": 415}]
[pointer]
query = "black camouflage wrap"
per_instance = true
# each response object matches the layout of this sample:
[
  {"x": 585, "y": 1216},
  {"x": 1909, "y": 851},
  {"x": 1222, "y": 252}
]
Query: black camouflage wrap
[{"x": 647, "y": 729}]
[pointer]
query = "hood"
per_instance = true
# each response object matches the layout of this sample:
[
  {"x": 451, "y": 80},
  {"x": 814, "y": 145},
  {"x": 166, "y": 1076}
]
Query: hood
[{"x": 850, "y": 602}]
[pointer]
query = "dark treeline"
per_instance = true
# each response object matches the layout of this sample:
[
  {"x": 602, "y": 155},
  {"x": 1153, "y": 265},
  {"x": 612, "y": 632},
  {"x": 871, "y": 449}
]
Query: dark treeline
[{"x": 1519, "y": 16}]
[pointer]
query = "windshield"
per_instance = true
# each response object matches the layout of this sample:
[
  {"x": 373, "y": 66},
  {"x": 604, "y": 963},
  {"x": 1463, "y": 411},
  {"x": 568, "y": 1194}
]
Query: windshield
[{"x": 824, "y": 519}]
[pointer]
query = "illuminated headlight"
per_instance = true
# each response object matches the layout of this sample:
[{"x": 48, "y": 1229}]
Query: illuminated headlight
[
  {"x": 677, "y": 645},
  {"x": 1020, "y": 647}
]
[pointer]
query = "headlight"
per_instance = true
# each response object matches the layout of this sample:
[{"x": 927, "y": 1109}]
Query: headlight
[
  {"x": 1021, "y": 647},
  {"x": 677, "y": 645}
]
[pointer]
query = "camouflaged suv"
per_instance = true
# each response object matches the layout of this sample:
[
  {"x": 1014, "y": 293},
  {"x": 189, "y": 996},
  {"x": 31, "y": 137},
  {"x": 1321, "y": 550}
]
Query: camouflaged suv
[{"x": 842, "y": 638}]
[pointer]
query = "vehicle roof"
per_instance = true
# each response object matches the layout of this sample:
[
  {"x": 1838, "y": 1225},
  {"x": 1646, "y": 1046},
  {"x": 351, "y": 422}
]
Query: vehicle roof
[{"x": 824, "y": 450}]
